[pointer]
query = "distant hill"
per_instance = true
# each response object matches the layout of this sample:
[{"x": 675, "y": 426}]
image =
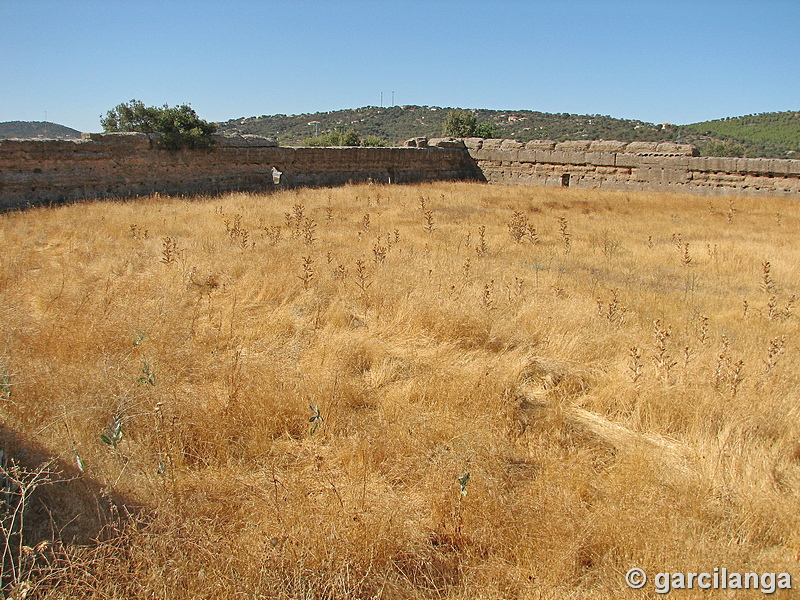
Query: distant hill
[
  {"x": 773, "y": 135},
  {"x": 36, "y": 129},
  {"x": 396, "y": 123}
]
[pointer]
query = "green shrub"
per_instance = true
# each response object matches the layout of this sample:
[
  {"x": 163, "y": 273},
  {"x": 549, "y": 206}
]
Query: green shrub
[
  {"x": 351, "y": 138},
  {"x": 181, "y": 126},
  {"x": 724, "y": 148},
  {"x": 373, "y": 141},
  {"x": 335, "y": 138},
  {"x": 486, "y": 130},
  {"x": 459, "y": 123}
]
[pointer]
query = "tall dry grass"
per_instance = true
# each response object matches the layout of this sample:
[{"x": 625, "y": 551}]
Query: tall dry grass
[{"x": 293, "y": 388}]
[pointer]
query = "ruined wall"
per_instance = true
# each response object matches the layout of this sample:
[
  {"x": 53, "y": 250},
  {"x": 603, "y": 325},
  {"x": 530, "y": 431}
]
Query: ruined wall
[
  {"x": 126, "y": 165},
  {"x": 634, "y": 166}
]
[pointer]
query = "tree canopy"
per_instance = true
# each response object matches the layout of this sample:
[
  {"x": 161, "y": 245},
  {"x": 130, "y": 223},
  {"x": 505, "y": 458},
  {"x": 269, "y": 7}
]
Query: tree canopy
[
  {"x": 181, "y": 126},
  {"x": 460, "y": 123}
]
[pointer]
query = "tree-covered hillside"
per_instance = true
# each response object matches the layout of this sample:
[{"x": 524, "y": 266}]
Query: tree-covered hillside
[
  {"x": 774, "y": 135},
  {"x": 764, "y": 134},
  {"x": 34, "y": 129},
  {"x": 398, "y": 123}
]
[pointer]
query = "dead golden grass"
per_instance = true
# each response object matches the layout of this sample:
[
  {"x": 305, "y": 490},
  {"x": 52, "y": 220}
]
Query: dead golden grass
[{"x": 293, "y": 389}]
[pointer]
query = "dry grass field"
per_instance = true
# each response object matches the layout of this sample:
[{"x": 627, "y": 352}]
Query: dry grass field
[{"x": 453, "y": 391}]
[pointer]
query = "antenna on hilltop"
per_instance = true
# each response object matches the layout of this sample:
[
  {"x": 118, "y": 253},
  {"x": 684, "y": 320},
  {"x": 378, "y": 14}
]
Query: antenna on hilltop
[
  {"x": 381, "y": 99},
  {"x": 392, "y": 97}
]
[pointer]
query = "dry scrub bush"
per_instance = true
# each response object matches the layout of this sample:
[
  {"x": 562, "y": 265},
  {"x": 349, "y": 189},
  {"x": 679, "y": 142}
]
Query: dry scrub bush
[{"x": 371, "y": 408}]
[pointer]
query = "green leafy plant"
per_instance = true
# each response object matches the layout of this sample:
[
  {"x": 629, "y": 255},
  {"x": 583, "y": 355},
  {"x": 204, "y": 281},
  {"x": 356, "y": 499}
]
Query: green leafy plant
[
  {"x": 315, "y": 419},
  {"x": 463, "y": 480},
  {"x": 486, "y": 130},
  {"x": 335, "y": 138},
  {"x": 148, "y": 376},
  {"x": 113, "y": 433}
]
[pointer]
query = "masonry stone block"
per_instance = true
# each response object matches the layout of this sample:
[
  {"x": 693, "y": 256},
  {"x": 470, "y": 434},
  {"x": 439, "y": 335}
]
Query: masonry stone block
[
  {"x": 698, "y": 163},
  {"x": 446, "y": 142},
  {"x": 607, "y": 159},
  {"x": 473, "y": 143},
  {"x": 607, "y": 146},
  {"x": 492, "y": 143},
  {"x": 565, "y": 158},
  {"x": 780, "y": 166},
  {"x": 573, "y": 146},
  {"x": 511, "y": 145},
  {"x": 627, "y": 160},
  {"x": 758, "y": 165},
  {"x": 540, "y": 145},
  {"x": 641, "y": 147},
  {"x": 526, "y": 156}
]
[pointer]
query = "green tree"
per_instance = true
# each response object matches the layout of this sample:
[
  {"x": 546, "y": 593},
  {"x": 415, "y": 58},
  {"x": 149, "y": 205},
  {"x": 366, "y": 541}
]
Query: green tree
[
  {"x": 486, "y": 130},
  {"x": 335, "y": 138},
  {"x": 724, "y": 148},
  {"x": 181, "y": 126},
  {"x": 459, "y": 123},
  {"x": 372, "y": 141},
  {"x": 351, "y": 138}
]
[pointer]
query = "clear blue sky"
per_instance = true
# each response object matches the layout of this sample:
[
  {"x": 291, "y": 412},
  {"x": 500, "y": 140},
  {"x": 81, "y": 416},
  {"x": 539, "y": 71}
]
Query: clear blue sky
[{"x": 658, "y": 61}]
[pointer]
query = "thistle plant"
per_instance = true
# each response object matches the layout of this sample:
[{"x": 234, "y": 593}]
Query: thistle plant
[
  {"x": 518, "y": 226},
  {"x": 309, "y": 227},
  {"x": 429, "y": 227},
  {"x": 481, "y": 248},
  {"x": 635, "y": 365},
  {"x": 308, "y": 272},
  {"x": 18, "y": 564},
  {"x": 169, "y": 251},
  {"x": 662, "y": 359},
  {"x": 362, "y": 277},
  {"x": 775, "y": 349},
  {"x": 731, "y": 211},
  {"x": 702, "y": 329},
  {"x": 565, "y": 235},
  {"x": 379, "y": 253},
  {"x": 766, "y": 278}
]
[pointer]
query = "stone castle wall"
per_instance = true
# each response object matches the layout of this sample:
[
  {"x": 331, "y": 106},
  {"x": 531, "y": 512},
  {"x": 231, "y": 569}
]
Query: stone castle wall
[
  {"x": 634, "y": 166},
  {"x": 126, "y": 165},
  {"x": 129, "y": 164}
]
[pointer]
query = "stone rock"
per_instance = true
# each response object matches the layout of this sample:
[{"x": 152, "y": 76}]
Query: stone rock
[
  {"x": 540, "y": 145},
  {"x": 641, "y": 148},
  {"x": 473, "y": 143},
  {"x": 573, "y": 146},
  {"x": 492, "y": 144},
  {"x": 448, "y": 142},
  {"x": 511, "y": 145},
  {"x": 418, "y": 142},
  {"x": 246, "y": 140},
  {"x": 607, "y": 146},
  {"x": 122, "y": 138}
]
